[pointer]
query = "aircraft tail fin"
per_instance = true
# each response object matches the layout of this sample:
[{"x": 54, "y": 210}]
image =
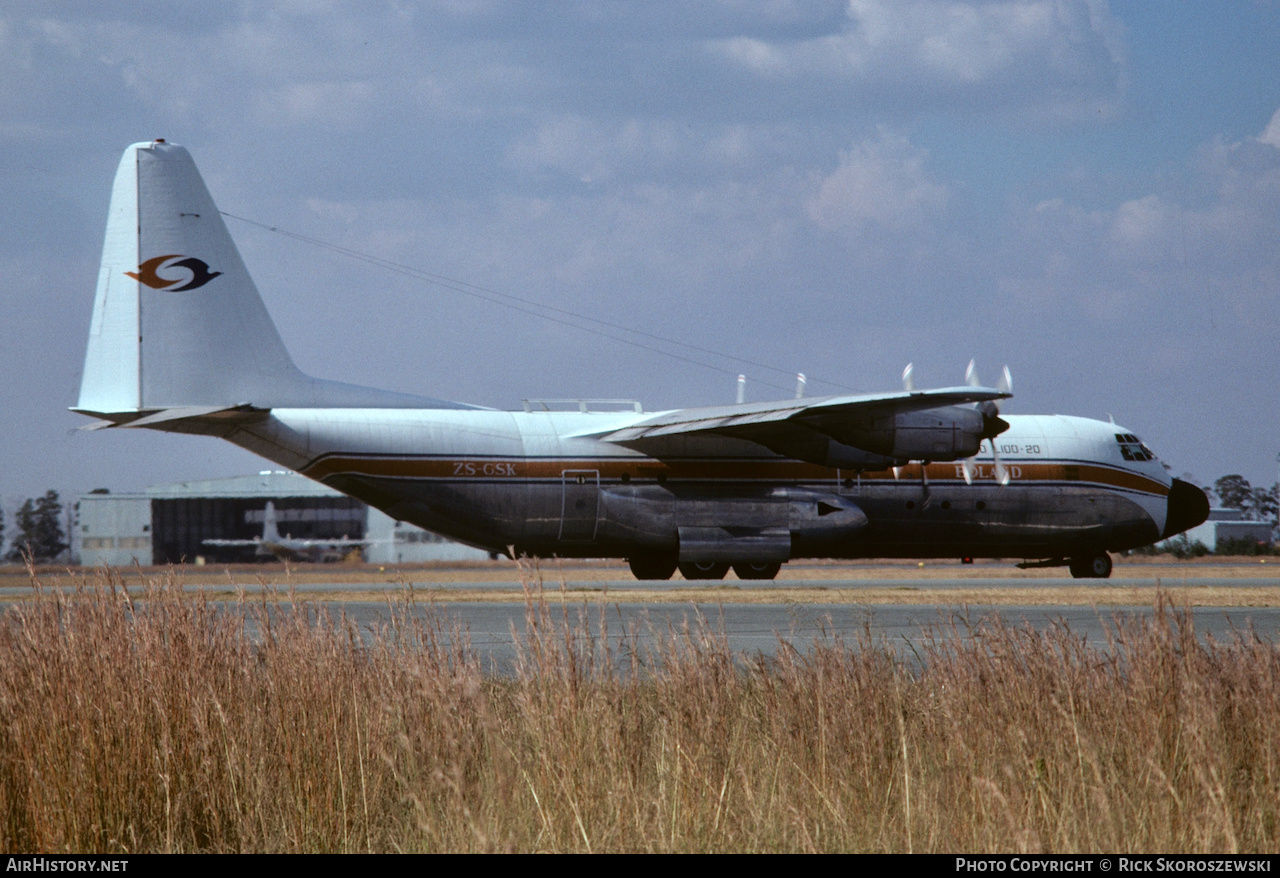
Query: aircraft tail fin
[
  {"x": 177, "y": 321},
  {"x": 270, "y": 530}
]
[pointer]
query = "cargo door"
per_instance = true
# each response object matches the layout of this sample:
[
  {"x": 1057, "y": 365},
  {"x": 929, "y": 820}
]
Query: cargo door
[{"x": 581, "y": 504}]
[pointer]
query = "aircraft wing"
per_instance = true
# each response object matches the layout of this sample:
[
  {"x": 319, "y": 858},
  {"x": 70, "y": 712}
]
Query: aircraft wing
[{"x": 796, "y": 426}]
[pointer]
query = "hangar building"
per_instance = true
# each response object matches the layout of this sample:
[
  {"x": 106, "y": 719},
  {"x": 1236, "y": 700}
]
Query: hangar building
[
  {"x": 1229, "y": 524},
  {"x": 171, "y": 524}
]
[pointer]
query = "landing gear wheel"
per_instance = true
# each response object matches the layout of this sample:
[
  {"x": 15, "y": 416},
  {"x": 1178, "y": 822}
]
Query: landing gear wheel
[
  {"x": 756, "y": 570},
  {"x": 1090, "y": 566},
  {"x": 652, "y": 567},
  {"x": 704, "y": 569}
]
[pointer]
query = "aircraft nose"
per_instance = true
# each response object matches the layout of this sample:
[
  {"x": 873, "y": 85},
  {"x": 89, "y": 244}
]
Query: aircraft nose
[{"x": 1188, "y": 506}]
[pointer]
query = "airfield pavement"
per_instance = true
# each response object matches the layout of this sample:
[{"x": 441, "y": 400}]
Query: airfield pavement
[{"x": 1135, "y": 581}]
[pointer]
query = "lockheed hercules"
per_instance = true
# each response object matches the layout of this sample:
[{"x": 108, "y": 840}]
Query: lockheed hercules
[
  {"x": 290, "y": 548},
  {"x": 181, "y": 341}
]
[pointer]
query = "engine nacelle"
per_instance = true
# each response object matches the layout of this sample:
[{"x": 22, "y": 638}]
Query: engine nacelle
[
  {"x": 947, "y": 433},
  {"x": 938, "y": 434}
]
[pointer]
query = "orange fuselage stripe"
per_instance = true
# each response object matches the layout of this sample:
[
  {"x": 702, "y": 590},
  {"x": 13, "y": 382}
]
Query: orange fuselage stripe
[{"x": 613, "y": 469}]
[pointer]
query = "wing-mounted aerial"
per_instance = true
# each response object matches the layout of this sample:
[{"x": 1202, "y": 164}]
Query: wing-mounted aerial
[{"x": 866, "y": 431}]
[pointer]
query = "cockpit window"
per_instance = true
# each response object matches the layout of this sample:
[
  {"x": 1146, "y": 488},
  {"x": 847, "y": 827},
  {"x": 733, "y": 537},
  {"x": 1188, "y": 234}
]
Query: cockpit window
[{"x": 1131, "y": 448}]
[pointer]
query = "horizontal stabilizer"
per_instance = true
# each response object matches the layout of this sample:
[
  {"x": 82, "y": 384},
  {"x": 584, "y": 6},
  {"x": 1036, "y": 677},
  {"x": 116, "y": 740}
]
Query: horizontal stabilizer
[{"x": 204, "y": 420}]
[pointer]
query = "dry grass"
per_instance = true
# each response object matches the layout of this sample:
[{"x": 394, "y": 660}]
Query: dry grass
[{"x": 168, "y": 723}]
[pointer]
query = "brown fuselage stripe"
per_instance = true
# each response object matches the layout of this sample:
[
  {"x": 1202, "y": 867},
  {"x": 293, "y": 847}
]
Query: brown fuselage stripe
[{"x": 613, "y": 469}]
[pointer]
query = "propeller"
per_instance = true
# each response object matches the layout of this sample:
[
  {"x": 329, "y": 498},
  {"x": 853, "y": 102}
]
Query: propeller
[
  {"x": 992, "y": 424},
  {"x": 908, "y": 384}
]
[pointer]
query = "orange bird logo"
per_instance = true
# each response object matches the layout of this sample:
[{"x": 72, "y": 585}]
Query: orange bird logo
[{"x": 149, "y": 273}]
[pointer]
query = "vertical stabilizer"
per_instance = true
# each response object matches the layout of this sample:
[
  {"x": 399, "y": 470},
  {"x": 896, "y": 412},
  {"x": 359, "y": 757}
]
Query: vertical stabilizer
[
  {"x": 270, "y": 530},
  {"x": 177, "y": 321}
]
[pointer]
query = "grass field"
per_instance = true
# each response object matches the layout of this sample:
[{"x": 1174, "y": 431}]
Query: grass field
[{"x": 164, "y": 722}]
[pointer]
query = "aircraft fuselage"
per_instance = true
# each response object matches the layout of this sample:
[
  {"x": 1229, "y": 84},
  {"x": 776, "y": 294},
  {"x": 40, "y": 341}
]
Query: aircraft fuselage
[{"x": 540, "y": 483}]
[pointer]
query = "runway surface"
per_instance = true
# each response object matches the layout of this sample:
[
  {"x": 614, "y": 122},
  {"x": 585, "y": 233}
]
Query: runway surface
[
  {"x": 900, "y": 606},
  {"x": 493, "y": 629}
]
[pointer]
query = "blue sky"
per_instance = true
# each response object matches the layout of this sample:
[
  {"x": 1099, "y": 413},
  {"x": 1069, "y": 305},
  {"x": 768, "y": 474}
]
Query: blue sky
[{"x": 1087, "y": 191}]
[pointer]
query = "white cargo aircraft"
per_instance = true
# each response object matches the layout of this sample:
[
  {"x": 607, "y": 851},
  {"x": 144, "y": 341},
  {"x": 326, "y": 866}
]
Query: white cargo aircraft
[{"x": 180, "y": 341}]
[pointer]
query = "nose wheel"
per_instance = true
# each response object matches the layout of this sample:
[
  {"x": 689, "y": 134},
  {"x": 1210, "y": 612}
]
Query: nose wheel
[{"x": 1090, "y": 566}]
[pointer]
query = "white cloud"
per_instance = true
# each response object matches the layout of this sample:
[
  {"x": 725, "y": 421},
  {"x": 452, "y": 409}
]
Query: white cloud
[
  {"x": 1271, "y": 134},
  {"x": 570, "y": 145},
  {"x": 1141, "y": 227},
  {"x": 1196, "y": 254},
  {"x": 880, "y": 182},
  {"x": 1225, "y": 217},
  {"x": 307, "y": 103},
  {"x": 597, "y": 151},
  {"x": 1040, "y": 46}
]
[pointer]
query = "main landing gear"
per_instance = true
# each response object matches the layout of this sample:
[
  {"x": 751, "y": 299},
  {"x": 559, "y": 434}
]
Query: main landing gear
[
  {"x": 1090, "y": 566},
  {"x": 757, "y": 570},
  {"x": 652, "y": 567},
  {"x": 704, "y": 569}
]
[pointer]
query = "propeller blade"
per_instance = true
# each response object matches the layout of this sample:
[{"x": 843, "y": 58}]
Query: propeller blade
[
  {"x": 1002, "y": 472},
  {"x": 966, "y": 467},
  {"x": 1004, "y": 385},
  {"x": 992, "y": 424},
  {"x": 908, "y": 377}
]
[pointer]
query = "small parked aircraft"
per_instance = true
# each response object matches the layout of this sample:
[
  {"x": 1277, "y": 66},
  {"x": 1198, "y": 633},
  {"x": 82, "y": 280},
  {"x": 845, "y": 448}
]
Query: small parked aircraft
[
  {"x": 289, "y": 548},
  {"x": 181, "y": 341}
]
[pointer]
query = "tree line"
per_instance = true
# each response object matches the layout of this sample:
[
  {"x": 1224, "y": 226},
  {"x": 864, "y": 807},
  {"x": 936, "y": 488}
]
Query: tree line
[
  {"x": 1254, "y": 504},
  {"x": 38, "y": 530}
]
